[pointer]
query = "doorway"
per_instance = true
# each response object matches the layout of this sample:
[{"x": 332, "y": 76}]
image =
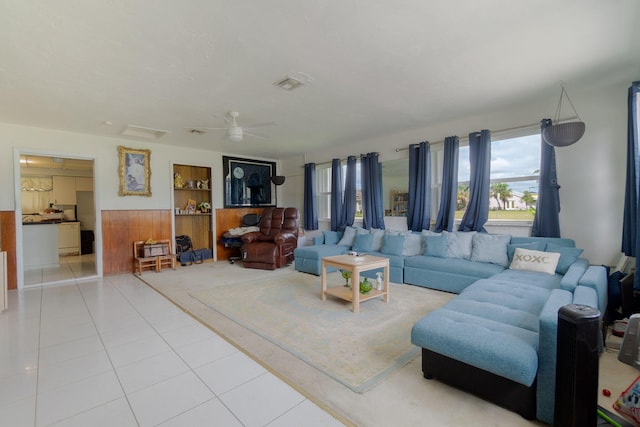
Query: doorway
[{"x": 57, "y": 203}]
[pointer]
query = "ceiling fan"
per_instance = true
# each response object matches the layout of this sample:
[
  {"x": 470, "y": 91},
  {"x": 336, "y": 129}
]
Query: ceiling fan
[{"x": 235, "y": 132}]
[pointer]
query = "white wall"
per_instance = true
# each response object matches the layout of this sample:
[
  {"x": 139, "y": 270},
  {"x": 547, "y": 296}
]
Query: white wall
[{"x": 590, "y": 172}]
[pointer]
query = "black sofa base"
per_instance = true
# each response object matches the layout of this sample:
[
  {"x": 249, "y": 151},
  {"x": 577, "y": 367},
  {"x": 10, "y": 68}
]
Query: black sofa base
[{"x": 493, "y": 388}]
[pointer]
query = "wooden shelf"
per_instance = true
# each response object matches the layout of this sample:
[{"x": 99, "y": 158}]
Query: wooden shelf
[
  {"x": 346, "y": 293},
  {"x": 198, "y": 226},
  {"x": 399, "y": 203}
]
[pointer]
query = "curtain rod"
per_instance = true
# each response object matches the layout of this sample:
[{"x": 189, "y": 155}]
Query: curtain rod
[
  {"x": 495, "y": 131},
  {"x": 326, "y": 163}
]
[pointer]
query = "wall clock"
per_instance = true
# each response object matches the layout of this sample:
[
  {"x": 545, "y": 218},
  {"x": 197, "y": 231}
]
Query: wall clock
[{"x": 238, "y": 172}]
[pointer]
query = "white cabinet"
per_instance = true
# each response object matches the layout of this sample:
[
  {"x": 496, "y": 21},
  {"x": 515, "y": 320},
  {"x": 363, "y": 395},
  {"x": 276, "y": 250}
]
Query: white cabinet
[
  {"x": 64, "y": 190},
  {"x": 84, "y": 184},
  {"x": 69, "y": 238}
]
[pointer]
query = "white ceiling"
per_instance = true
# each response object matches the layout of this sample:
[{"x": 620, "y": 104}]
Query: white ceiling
[{"x": 370, "y": 67}]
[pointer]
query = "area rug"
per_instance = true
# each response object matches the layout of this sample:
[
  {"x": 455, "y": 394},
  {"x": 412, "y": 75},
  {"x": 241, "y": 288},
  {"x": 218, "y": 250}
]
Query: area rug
[{"x": 358, "y": 350}]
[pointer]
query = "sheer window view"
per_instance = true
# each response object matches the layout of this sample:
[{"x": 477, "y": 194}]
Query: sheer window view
[{"x": 515, "y": 164}]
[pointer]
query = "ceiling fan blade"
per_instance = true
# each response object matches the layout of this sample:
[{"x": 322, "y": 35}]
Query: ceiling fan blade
[
  {"x": 203, "y": 128},
  {"x": 259, "y": 125},
  {"x": 255, "y": 135}
]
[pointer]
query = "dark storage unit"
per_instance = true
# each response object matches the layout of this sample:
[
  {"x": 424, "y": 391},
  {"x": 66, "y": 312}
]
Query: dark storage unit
[{"x": 86, "y": 242}]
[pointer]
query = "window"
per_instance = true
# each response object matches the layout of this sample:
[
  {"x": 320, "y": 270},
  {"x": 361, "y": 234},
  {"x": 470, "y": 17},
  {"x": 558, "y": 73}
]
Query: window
[
  {"x": 323, "y": 190},
  {"x": 515, "y": 164}
]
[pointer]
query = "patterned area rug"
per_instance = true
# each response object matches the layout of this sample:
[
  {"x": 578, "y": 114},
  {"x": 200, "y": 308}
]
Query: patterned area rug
[{"x": 358, "y": 350}]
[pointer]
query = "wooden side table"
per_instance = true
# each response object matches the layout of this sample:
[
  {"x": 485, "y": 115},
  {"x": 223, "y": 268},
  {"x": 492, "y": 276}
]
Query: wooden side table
[{"x": 354, "y": 264}]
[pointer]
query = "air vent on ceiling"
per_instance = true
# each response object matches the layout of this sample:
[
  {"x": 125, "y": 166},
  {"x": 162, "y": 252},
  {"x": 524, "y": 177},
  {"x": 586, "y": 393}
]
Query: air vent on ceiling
[
  {"x": 288, "y": 83},
  {"x": 142, "y": 132}
]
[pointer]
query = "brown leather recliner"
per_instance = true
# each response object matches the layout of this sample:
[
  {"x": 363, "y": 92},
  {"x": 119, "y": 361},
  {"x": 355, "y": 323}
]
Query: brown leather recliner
[{"x": 272, "y": 247}]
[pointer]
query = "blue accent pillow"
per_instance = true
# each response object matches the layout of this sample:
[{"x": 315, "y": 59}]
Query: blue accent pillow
[
  {"x": 435, "y": 246},
  {"x": 331, "y": 237},
  {"x": 533, "y": 246},
  {"x": 392, "y": 244},
  {"x": 567, "y": 256},
  {"x": 363, "y": 243}
]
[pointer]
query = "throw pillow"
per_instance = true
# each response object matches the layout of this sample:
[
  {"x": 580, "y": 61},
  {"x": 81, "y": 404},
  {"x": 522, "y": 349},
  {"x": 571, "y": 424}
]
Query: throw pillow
[
  {"x": 348, "y": 237},
  {"x": 392, "y": 244},
  {"x": 412, "y": 244},
  {"x": 435, "y": 246},
  {"x": 567, "y": 256},
  {"x": 536, "y": 246},
  {"x": 491, "y": 248},
  {"x": 430, "y": 233},
  {"x": 378, "y": 239},
  {"x": 528, "y": 260},
  {"x": 459, "y": 243},
  {"x": 362, "y": 243},
  {"x": 360, "y": 230},
  {"x": 331, "y": 237}
]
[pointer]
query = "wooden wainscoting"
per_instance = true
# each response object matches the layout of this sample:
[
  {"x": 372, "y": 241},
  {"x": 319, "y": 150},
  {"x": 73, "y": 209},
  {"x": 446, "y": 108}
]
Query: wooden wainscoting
[
  {"x": 8, "y": 239},
  {"x": 121, "y": 228},
  {"x": 226, "y": 219}
]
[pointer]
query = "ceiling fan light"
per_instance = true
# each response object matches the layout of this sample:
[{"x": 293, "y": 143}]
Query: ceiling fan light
[
  {"x": 234, "y": 134},
  {"x": 278, "y": 179},
  {"x": 563, "y": 134}
]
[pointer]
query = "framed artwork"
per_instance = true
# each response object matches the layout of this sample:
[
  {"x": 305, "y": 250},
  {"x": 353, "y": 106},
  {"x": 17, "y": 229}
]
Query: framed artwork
[
  {"x": 134, "y": 171},
  {"x": 248, "y": 182}
]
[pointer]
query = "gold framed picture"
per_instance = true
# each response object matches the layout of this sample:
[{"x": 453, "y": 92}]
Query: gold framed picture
[{"x": 134, "y": 171}]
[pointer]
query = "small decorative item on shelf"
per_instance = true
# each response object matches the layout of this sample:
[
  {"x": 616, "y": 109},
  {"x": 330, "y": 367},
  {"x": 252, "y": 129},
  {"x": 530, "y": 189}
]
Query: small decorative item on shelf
[
  {"x": 204, "y": 207},
  {"x": 365, "y": 286},
  {"x": 177, "y": 181},
  {"x": 346, "y": 275},
  {"x": 191, "y": 206},
  {"x": 204, "y": 184},
  {"x": 189, "y": 184}
]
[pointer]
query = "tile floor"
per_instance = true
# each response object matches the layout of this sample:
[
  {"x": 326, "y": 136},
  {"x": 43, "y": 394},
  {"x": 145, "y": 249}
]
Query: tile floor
[
  {"x": 71, "y": 267},
  {"x": 113, "y": 352}
]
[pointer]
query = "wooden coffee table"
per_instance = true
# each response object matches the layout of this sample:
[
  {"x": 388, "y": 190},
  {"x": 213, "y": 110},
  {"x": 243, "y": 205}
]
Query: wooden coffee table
[{"x": 354, "y": 264}]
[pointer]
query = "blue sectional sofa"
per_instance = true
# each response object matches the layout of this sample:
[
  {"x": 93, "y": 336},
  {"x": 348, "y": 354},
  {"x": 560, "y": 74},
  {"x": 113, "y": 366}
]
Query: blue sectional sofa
[{"x": 497, "y": 338}]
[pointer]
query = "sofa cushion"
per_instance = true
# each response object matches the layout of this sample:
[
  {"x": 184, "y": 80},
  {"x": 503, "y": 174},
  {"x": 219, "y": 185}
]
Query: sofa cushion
[
  {"x": 513, "y": 295},
  {"x": 532, "y": 278},
  {"x": 363, "y": 243},
  {"x": 318, "y": 252},
  {"x": 465, "y": 267},
  {"x": 567, "y": 256},
  {"x": 348, "y": 237},
  {"x": 412, "y": 244},
  {"x": 490, "y": 248},
  {"x": 378, "y": 239},
  {"x": 392, "y": 244},
  {"x": 331, "y": 237},
  {"x": 435, "y": 245},
  {"x": 471, "y": 339},
  {"x": 459, "y": 244},
  {"x": 528, "y": 260}
]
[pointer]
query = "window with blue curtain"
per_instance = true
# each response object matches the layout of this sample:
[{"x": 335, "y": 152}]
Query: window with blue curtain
[
  {"x": 477, "y": 212},
  {"x": 310, "y": 207}
]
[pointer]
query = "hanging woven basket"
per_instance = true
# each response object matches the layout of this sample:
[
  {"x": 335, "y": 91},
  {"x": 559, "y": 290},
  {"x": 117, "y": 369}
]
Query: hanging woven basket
[{"x": 563, "y": 134}]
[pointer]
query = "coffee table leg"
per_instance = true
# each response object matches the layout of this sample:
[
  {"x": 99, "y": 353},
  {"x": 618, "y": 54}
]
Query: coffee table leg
[
  {"x": 386, "y": 283},
  {"x": 323, "y": 281},
  {"x": 355, "y": 287}
]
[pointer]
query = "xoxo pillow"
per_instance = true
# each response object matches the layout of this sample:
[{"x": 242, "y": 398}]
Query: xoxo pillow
[{"x": 529, "y": 260}]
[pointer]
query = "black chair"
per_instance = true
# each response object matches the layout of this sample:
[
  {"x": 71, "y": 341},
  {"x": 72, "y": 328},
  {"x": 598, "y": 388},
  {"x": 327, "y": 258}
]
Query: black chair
[{"x": 234, "y": 241}]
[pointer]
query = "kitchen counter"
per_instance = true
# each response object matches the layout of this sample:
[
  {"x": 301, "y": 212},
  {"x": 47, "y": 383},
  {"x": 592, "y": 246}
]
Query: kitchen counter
[{"x": 40, "y": 245}]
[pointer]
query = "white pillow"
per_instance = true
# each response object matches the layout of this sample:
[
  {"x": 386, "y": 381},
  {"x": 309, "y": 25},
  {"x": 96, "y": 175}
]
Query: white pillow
[
  {"x": 412, "y": 244},
  {"x": 530, "y": 260},
  {"x": 459, "y": 244},
  {"x": 491, "y": 248},
  {"x": 348, "y": 237}
]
